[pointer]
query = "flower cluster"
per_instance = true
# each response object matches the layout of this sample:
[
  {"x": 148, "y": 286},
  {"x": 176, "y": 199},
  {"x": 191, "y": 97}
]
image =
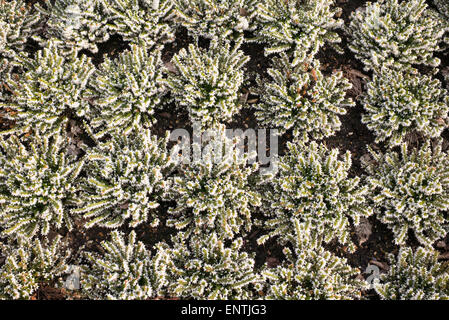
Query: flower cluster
[
  {"x": 214, "y": 193},
  {"x": 89, "y": 174},
  {"x": 141, "y": 21},
  {"x": 18, "y": 23},
  {"x": 311, "y": 272},
  {"x": 216, "y": 19}
]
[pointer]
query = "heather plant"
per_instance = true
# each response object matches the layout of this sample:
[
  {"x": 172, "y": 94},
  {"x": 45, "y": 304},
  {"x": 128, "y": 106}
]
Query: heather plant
[
  {"x": 30, "y": 263},
  {"x": 125, "y": 181},
  {"x": 414, "y": 275},
  {"x": 298, "y": 27},
  {"x": 301, "y": 99},
  {"x": 398, "y": 103},
  {"x": 207, "y": 81},
  {"x": 443, "y": 7},
  {"x": 5, "y": 73},
  {"x": 79, "y": 24},
  {"x": 446, "y": 79},
  {"x": 410, "y": 191},
  {"x": 124, "y": 270},
  {"x": 309, "y": 272},
  {"x": 141, "y": 21},
  {"x": 52, "y": 87},
  {"x": 206, "y": 267},
  {"x": 214, "y": 193},
  {"x": 38, "y": 181},
  {"x": 126, "y": 91},
  {"x": 314, "y": 187},
  {"x": 18, "y": 23},
  {"x": 216, "y": 19},
  {"x": 395, "y": 34}
]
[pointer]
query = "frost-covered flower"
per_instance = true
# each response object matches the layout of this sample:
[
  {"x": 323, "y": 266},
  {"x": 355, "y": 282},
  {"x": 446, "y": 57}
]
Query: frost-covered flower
[
  {"x": 18, "y": 23},
  {"x": 141, "y": 21},
  {"x": 214, "y": 193},
  {"x": 126, "y": 91},
  {"x": 216, "y": 19}
]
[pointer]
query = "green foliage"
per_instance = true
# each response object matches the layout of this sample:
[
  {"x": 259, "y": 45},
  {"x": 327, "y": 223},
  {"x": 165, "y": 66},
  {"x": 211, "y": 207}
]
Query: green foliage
[
  {"x": 313, "y": 186},
  {"x": 208, "y": 268},
  {"x": 52, "y": 87},
  {"x": 126, "y": 91},
  {"x": 79, "y": 24},
  {"x": 125, "y": 180},
  {"x": 299, "y": 27},
  {"x": 141, "y": 21},
  {"x": 5, "y": 73},
  {"x": 446, "y": 79},
  {"x": 443, "y": 7},
  {"x": 415, "y": 275},
  {"x": 18, "y": 23},
  {"x": 30, "y": 263},
  {"x": 215, "y": 19},
  {"x": 398, "y": 103},
  {"x": 214, "y": 193},
  {"x": 311, "y": 273},
  {"x": 207, "y": 82},
  {"x": 395, "y": 34},
  {"x": 301, "y": 99},
  {"x": 38, "y": 180},
  {"x": 411, "y": 191},
  {"x": 124, "y": 270}
]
